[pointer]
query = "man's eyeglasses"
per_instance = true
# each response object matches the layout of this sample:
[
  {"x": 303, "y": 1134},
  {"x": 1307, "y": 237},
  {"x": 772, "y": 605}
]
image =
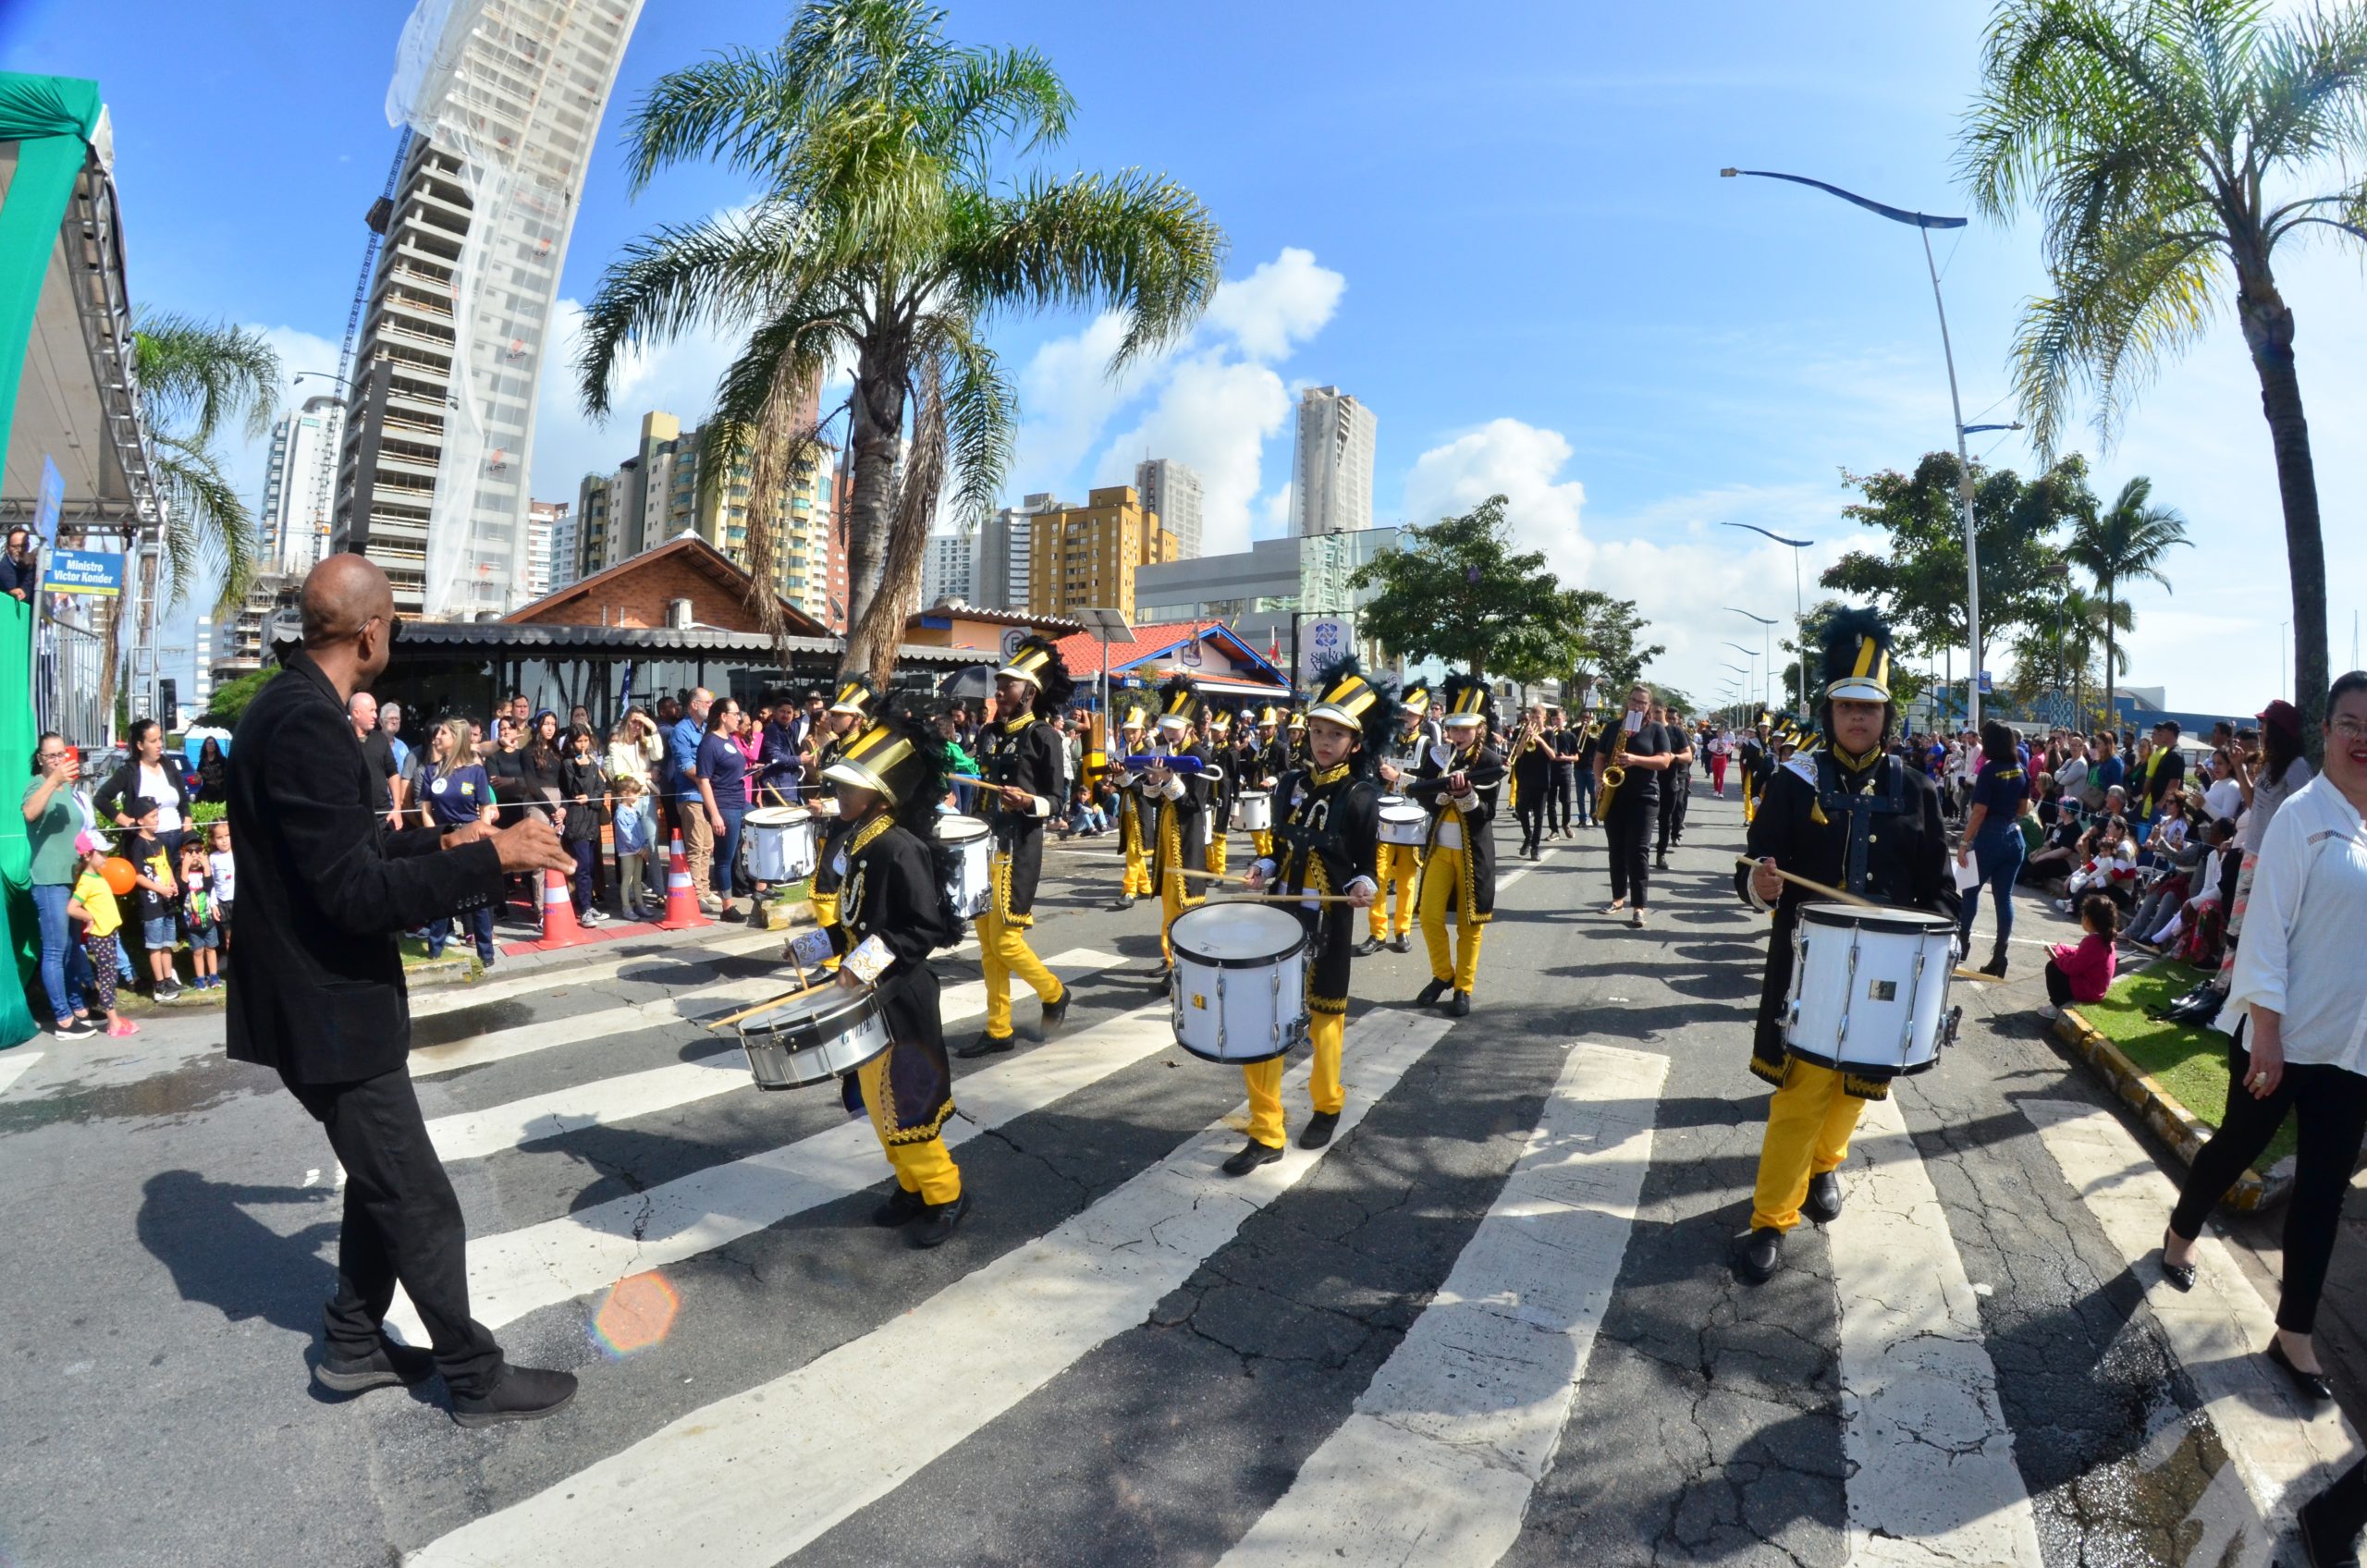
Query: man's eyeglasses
[{"x": 2352, "y": 730}]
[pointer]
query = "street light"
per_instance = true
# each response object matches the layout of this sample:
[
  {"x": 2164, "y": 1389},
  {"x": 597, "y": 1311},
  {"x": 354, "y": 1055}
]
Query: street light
[
  {"x": 1766, "y": 635},
  {"x": 1924, "y": 223},
  {"x": 1799, "y": 606},
  {"x": 1752, "y": 674}
]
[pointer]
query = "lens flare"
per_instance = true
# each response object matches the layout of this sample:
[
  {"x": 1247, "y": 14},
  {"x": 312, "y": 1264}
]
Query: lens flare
[{"x": 637, "y": 1313}]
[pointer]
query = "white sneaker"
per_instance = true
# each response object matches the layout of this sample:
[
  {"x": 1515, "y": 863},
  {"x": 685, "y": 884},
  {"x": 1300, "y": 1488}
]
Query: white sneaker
[
  {"x": 591, "y": 917},
  {"x": 2050, "y": 1012}
]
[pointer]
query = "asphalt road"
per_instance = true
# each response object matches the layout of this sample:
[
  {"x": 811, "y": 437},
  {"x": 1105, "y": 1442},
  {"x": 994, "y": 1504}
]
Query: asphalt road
[{"x": 1493, "y": 1322}]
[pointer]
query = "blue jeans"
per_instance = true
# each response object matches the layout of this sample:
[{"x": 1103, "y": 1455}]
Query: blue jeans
[
  {"x": 1997, "y": 856},
  {"x": 65, "y": 970},
  {"x": 481, "y": 927},
  {"x": 587, "y": 858},
  {"x": 727, "y": 846}
]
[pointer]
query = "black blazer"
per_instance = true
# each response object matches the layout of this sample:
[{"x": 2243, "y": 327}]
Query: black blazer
[
  {"x": 124, "y": 783},
  {"x": 324, "y": 887}
]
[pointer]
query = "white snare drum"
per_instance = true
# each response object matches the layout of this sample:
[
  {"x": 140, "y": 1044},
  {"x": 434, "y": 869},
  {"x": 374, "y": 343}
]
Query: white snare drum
[
  {"x": 1870, "y": 989},
  {"x": 781, "y": 843},
  {"x": 1401, "y": 821},
  {"x": 1239, "y": 990},
  {"x": 972, "y": 885},
  {"x": 1253, "y": 811},
  {"x": 814, "y": 1039}
]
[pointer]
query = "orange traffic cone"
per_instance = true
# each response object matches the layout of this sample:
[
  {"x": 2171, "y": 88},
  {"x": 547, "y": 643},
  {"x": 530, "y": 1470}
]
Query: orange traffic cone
[
  {"x": 560, "y": 928},
  {"x": 682, "y": 898}
]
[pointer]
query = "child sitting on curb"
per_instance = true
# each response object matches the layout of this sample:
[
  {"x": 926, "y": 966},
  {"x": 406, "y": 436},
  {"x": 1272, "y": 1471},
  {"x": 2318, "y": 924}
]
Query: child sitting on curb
[{"x": 2083, "y": 973}]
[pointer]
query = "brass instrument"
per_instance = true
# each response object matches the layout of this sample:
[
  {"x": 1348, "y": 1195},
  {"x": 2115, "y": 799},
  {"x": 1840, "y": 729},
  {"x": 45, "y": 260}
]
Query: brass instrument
[{"x": 1613, "y": 775}]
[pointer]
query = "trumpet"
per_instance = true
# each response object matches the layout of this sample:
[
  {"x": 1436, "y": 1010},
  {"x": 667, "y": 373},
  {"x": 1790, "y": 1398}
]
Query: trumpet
[{"x": 1613, "y": 775}]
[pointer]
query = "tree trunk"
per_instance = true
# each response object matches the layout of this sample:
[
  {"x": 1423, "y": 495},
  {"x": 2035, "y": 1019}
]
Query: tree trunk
[
  {"x": 874, "y": 436},
  {"x": 2111, "y": 664},
  {"x": 873, "y": 640},
  {"x": 2268, "y": 333}
]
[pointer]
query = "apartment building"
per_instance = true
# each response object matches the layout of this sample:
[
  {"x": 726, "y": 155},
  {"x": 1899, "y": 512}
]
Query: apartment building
[{"x": 1082, "y": 557}]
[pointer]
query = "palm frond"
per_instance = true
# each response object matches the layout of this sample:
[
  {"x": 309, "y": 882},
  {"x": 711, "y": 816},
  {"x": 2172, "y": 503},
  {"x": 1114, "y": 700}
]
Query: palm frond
[
  {"x": 206, "y": 524},
  {"x": 196, "y": 375},
  {"x": 2114, "y": 320},
  {"x": 981, "y": 413},
  {"x": 738, "y": 108}
]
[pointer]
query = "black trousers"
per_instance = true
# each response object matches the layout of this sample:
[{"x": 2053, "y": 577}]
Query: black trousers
[
  {"x": 2342, "y": 1507},
  {"x": 1559, "y": 799},
  {"x": 403, "y": 1222},
  {"x": 1629, "y": 831},
  {"x": 2330, "y": 1105},
  {"x": 1531, "y": 812},
  {"x": 1677, "y": 785},
  {"x": 2059, "y": 985}
]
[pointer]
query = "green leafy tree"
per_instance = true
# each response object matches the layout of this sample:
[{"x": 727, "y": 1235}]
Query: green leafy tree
[
  {"x": 2171, "y": 148},
  {"x": 198, "y": 379},
  {"x": 885, "y": 236},
  {"x": 1587, "y": 638},
  {"x": 1456, "y": 590},
  {"x": 230, "y": 698},
  {"x": 2122, "y": 544}
]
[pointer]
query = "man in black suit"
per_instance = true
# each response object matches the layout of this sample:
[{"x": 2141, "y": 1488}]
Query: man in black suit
[{"x": 316, "y": 993}]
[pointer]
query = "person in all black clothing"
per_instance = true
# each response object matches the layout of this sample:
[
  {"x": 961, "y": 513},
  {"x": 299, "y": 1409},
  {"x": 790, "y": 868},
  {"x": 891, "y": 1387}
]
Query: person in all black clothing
[
  {"x": 1020, "y": 759},
  {"x": 1676, "y": 784},
  {"x": 1635, "y": 805},
  {"x": 1592, "y": 742},
  {"x": 1564, "y": 743},
  {"x": 1532, "y": 768},
  {"x": 1851, "y": 816},
  {"x": 893, "y": 912}
]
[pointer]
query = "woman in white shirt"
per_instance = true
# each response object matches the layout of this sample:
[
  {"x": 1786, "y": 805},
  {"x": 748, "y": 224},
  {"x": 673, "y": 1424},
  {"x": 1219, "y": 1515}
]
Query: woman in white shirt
[
  {"x": 2283, "y": 771},
  {"x": 2302, "y": 1046},
  {"x": 2225, "y": 795}
]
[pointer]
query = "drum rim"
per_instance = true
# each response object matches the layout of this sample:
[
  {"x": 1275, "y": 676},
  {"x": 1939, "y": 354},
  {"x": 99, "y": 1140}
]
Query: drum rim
[
  {"x": 963, "y": 837},
  {"x": 1888, "y": 919},
  {"x": 886, "y": 1043},
  {"x": 1230, "y": 1061},
  {"x": 778, "y": 816},
  {"x": 1267, "y": 961},
  {"x": 1412, "y": 809},
  {"x": 1879, "y": 1073},
  {"x": 863, "y": 1003}
]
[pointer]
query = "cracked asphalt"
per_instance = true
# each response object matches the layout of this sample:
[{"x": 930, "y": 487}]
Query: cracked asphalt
[{"x": 171, "y": 1217}]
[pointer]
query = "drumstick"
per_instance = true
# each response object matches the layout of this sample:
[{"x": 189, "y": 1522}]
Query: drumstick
[
  {"x": 1286, "y": 899},
  {"x": 760, "y": 1007},
  {"x": 1812, "y": 887}
]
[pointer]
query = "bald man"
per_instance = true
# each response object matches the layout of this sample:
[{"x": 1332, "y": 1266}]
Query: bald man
[{"x": 316, "y": 993}]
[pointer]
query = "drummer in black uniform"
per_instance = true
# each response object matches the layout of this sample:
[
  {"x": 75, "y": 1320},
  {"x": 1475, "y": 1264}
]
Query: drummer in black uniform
[
  {"x": 848, "y": 712},
  {"x": 1326, "y": 823},
  {"x": 894, "y": 913},
  {"x": 1399, "y": 866},
  {"x": 1853, "y": 816},
  {"x": 1021, "y": 762},
  {"x": 1180, "y": 823}
]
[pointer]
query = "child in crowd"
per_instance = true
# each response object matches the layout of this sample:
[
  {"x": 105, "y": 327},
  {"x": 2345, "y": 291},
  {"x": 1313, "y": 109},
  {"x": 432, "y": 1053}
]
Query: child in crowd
[
  {"x": 199, "y": 917},
  {"x": 2083, "y": 973},
  {"x": 632, "y": 830},
  {"x": 218, "y": 860},
  {"x": 93, "y": 909},
  {"x": 152, "y": 873}
]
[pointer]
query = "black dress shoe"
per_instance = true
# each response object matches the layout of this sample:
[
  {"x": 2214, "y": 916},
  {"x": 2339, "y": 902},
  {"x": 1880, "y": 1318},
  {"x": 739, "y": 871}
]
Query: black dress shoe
[
  {"x": 943, "y": 1220},
  {"x": 1461, "y": 1006},
  {"x": 2325, "y": 1541},
  {"x": 1756, "y": 1255},
  {"x": 1159, "y": 977},
  {"x": 1125, "y": 901},
  {"x": 389, "y": 1366},
  {"x": 901, "y": 1209},
  {"x": 2180, "y": 1275},
  {"x": 1823, "y": 1204},
  {"x": 1401, "y": 944},
  {"x": 2311, "y": 1385},
  {"x": 1055, "y": 1017},
  {"x": 519, "y": 1393},
  {"x": 986, "y": 1045},
  {"x": 1252, "y": 1155},
  {"x": 1428, "y": 995},
  {"x": 1318, "y": 1129},
  {"x": 1367, "y": 948}
]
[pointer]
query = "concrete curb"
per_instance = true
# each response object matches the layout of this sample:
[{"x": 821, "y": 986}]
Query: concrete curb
[{"x": 2168, "y": 1121}]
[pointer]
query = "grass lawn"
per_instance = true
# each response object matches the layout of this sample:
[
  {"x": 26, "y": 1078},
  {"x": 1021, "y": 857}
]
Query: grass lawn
[{"x": 2189, "y": 1063}]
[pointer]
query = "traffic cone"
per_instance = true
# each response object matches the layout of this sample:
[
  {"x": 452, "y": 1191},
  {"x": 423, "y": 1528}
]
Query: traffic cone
[
  {"x": 560, "y": 928},
  {"x": 682, "y": 898}
]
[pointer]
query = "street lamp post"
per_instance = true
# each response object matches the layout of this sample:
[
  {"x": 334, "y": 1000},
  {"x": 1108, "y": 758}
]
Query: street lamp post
[
  {"x": 1766, "y": 633},
  {"x": 1799, "y": 606},
  {"x": 1757, "y": 689},
  {"x": 1924, "y": 223}
]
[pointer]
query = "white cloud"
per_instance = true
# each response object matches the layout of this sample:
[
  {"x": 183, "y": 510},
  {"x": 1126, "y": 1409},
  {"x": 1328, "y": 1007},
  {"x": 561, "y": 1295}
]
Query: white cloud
[
  {"x": 678, "y": 377},
  {"x": 1215, "y": 414},
  {"x": 1281, "y": 304},
  {"x": 1521, "y": 462},
  {"x": 1067, "y": 397}
]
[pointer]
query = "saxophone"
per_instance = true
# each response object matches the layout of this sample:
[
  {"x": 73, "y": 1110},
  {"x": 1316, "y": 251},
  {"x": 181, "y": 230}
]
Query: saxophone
[{"x": 1613, "y": 775}]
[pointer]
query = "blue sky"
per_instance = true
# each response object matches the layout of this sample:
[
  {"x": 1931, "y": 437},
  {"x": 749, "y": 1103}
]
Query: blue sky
[{"x": 1501, "y": 226}]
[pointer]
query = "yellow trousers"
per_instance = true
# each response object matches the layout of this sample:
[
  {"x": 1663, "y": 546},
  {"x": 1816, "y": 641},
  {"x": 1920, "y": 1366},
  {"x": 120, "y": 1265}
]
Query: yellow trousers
[
  {"x": 1216, "y": 852},
  {"x": 825, "y": 909},
  {"x": 1136, "y": 884},
  {"x": 923, "y": 1167},
  {"x": 1442, "y": 892},
  {"x": 1399, "y": 864},
  {"x": 1175, "y": 897},
  {"x": 1262, "y": 841},
  {"x": 1808, "y": 1123},
  {"x": 1323, "y": 1089},
  {"x": 1003, "y": 952}
]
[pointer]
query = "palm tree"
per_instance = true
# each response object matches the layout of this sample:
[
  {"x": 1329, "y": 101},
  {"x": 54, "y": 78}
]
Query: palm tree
[
  {"x": 883, "y": 239},
  {"x": 195, "y": 379},
  {"x": 2160, "y": 140},
  {"x": 2124, "y": 544}
]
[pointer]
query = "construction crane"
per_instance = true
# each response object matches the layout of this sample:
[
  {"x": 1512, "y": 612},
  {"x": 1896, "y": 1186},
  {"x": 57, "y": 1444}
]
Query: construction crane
[{"x": 379, "y": 218}]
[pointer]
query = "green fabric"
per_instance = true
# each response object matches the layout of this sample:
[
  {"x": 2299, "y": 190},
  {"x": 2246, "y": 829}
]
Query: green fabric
[
  {"x": 52, "y": 836},
  {"x": 16, "y": 853}
]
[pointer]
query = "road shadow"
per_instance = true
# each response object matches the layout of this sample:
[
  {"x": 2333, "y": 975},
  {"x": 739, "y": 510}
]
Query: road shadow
[{"x": 220, "y": 1255}]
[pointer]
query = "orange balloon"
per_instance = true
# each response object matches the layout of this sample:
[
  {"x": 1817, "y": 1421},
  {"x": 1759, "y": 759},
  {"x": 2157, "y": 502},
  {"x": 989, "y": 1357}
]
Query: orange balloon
[{"x": 119, "y": 874}]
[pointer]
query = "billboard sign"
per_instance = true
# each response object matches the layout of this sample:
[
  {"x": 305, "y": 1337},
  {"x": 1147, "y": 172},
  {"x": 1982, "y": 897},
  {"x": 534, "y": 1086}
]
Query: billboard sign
[
  {"x": 1322, "y": 639},
  {"x": 83, "y": 571}
]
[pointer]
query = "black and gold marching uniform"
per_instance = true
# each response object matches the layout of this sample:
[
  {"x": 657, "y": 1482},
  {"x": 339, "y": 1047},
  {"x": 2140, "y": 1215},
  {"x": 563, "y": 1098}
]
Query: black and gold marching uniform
[
  {"x": 1399, "y": 866},
  {"x": 1134, "y": 813},
  {"x": 1264, "y": 757},
  {"x": 855, "y": 696},
  {"x": 1180, "y": 830},
  {"x": 1215, "y": 729},
  {"x": 1023, "y": 752},
  {"x": 1325, "y": 833},
  {"x": 1459, "y": 845},
  {"x": 894, "y": 913},
  {"x": 1870, "y": 824}
]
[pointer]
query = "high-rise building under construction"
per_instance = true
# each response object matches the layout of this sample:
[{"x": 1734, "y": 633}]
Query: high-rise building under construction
[{"x": 503, "y": 99}]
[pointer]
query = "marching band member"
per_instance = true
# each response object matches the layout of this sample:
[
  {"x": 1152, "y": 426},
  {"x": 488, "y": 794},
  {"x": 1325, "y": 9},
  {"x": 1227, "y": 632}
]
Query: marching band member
[
  {"x": 888, "y": 779},
  {"x": 1327, "y": 818},
  {"x": 1020, "y": 758},
  {"x": 1217, "y": 737},
  {"x": 1457, "y": 784},
  {"x": 1135, "y": 882},
  {"x": 1592, "y": 743},
  {"x": 1296, "y": 737},
  {"x": 848, "y": 712},
  {"x": 1266, "y": 757},
  {"x": 1635, "y": 805},
  {"x": 1676, "y": 783},
  {"x": 1180, "y": 839},
  {"x": 1850, "y": 816},
  {"x": 1399, "y": 866},
  {"x": 1532, "y": 768}
]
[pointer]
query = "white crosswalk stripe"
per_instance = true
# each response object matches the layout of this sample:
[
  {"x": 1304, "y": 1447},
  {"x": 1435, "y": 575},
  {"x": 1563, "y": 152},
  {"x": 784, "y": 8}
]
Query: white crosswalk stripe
[
  {"x": 2281, "y": 1447},
  {"x": 603, "y": 1101},
  {"x": 822, "y": 1443},
  {"x": 590, "y": 971},
  {"x": 1932, "y": 1478},
  {"x": 1439, "y": 1458},
  {"x": 516, "y": 1273}
]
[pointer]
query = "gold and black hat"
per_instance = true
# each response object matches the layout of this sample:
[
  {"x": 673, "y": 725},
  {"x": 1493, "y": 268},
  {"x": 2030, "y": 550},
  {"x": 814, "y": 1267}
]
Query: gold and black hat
[
  {"x": 1038, "y": 661},
  {"x": 897, "y": 754},
  {"x": 1415, "y": 699},
  {"x": 856, "y": 694},
  {"x": 1857, "y": 656},
  {"x": 1134, "y": 715},
  {"x": 1268, "y": 717},
  {"x": 1346, "y": 696},
  {"x": 1179, "y": 703},
  {"x": 1219, "y": 721},
  {"x": 1465, "y": 701}
]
